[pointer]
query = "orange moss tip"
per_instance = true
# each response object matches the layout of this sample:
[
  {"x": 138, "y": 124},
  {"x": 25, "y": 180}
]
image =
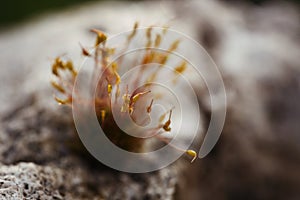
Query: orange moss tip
[
  {"x": 101, "y": 37},
  {"x": 148, "y": 32},
  {"x": 181, "y": 68},
  {"x": 166, "y": 126},
  {"x": 69, "y": 65},
  {"x": 57, "y": 87},
  {"x": 115, "y": 71},
  {"x": 157, "y": 40},
  {"x": 192, "y": 153},
  {"x": 59, "y": 64},
  {"x": 109, "y": 88},
  {"x": 136, "y": 25},
  {"x": 62, "y": 101},
  {"x": 149, "y": 108},
  {"x": 148, "y": 35},
  {"x": 138, "y": 95},
  {"x": 84, "y": 51},
  {"x": 174, "y": 45},
  {"x": 134, "y": 98},
  {"x": 103, "y": 114}
]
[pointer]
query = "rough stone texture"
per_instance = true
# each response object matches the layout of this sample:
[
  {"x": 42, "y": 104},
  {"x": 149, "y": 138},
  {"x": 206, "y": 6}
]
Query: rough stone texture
[
  {"x": 63, "y": 170},
  {"x": 27, "y": 180},
  {"x": 31, "y": 181}
]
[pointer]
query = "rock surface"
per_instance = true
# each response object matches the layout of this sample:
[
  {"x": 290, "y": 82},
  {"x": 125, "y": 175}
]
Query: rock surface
[
  {"x": 257, "y": 156},
  {"x": 257, "y": 50},
  {"x": 62, "y": 170},
  {"x": 31, "y": 181}
]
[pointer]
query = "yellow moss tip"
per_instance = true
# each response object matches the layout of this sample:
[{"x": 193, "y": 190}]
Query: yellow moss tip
[
  {"x": 157, "y": 40},
  {"x": 101, "y": 37},
  {"x": 109, "y": 88},
  {"x": 192, "y": 153},
  {"x": 58, "y": 87},
  {"x": 61, "y": 101},
  {"x": 181, "y": 68},
  {"x": 136, "y": 25},
  {"x": 149, "y": 108},
  {"x": 69, "y": 65},
  {"x": 148, "y": 33},
  {"x": 174, "y": 45},
  {"x": 84, "y": 51},
  {"x": 138, "y": 95},
  {"x": 115, "y": 70},
  {"x": 103, "y": 114}
]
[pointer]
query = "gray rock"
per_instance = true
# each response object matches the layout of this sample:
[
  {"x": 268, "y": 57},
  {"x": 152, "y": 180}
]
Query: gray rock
[
  {"x": 31, "y": 181},
  {"x": 63, "y": 169},
  {"x": 257, "y": 156}
]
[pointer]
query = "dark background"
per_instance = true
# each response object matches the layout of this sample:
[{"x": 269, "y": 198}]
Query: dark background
[{"x": 19, "y": 10}]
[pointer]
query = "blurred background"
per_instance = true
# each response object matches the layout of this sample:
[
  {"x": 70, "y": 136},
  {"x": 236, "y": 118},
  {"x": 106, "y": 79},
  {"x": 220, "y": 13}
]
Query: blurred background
[
  {"x": 14, "y": 12},
  {"x": 255, "y": 43}
]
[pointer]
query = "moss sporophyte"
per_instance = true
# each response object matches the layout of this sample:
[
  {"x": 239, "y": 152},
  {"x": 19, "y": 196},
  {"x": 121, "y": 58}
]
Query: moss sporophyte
[{"x": 138, "y": 103}]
